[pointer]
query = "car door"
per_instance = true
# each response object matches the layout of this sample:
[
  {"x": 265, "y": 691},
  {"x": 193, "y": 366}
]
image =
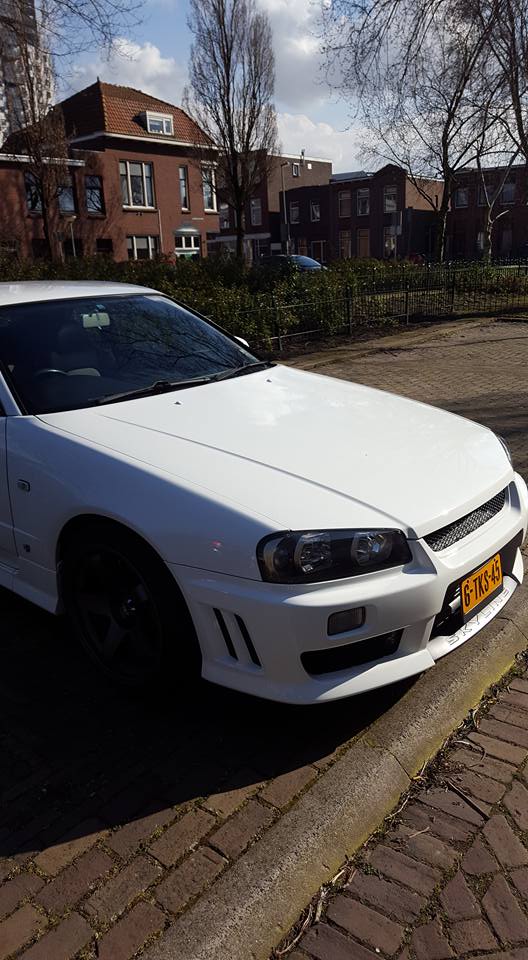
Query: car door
[{"x": 7, "y": 540}]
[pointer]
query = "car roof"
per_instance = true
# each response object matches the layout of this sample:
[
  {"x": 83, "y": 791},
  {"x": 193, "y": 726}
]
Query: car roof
[{"x": 33, "y": 291}]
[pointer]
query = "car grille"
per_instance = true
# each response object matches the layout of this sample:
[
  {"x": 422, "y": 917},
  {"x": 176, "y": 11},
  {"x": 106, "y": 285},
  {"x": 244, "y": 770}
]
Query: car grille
[{"x": 447, "y": 536}]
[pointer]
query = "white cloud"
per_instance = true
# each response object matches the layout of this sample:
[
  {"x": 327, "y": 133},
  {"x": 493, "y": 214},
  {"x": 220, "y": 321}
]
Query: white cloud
[
  {"x": 297, "y": 132},
  {"x": 135, "y": 65},
  {"x": 296, "y": 45}
]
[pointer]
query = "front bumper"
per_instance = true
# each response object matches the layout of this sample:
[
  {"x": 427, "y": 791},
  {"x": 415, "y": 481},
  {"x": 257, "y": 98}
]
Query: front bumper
[{"x": 253, "y": 635}]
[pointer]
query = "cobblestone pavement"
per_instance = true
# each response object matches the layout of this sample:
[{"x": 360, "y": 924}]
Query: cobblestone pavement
[
  {"x": 115, "y": 814},
  {"x": 449, "y": 875}
]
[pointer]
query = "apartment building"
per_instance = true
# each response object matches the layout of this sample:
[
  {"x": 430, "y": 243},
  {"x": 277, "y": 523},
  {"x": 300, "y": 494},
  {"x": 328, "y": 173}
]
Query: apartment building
[
  {"x": 20, "y": 101},
  {"x": 266, "y": 223},
  {"x": 133, "y": 184},
  {"x": 360, "y": 214},
  {"x": 465, "y": 240}
]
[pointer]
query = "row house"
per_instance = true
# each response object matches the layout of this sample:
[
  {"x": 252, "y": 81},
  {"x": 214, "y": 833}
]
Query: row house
[
  {"x": 265, "y": 221},
  {"x": 470, "y": 198},
  {"x": 359, "y": 214},
  {"x": 135, "y": 184}
]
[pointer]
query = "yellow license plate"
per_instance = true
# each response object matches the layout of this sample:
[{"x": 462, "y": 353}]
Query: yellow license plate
[{"x": 478, "y": 589}]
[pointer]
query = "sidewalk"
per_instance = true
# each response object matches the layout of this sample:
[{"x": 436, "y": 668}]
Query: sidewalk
[{"x": 449, "y": 877}]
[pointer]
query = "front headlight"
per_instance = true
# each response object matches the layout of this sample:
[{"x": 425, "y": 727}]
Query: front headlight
[{"x": 308, "y": 557}]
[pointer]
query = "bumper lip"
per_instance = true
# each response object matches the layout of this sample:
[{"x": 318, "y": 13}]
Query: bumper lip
[{"x": 285, "y": 621}]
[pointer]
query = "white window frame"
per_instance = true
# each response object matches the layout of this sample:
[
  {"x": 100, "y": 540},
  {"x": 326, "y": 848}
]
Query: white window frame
[
  {"x": 315, "y": 203},
  {"x": 344, "y": 196},
  {"x": 210, "y": 167},
  {"x": 321, "y": 244},
  {"x": 150, "y": 242},
  {"x": 390, "y": 190},
  {"x": 363, "y": 194},
  {"x": 296, "y": 169},
  {"x": 185, "y": 245},
  {"x": 458, "y": 205},
  {"x": 142, "y": 164},
  {"x": 481, "y": 240},
  {"x": 224, "y": 214},
  {"x": 183, "y": 166},
  {"x": 255, "y": 206},
  {"x": 507, "y": 203},
  {"x": 295, "y": 205},
  {"x": 167, "y": 123}
]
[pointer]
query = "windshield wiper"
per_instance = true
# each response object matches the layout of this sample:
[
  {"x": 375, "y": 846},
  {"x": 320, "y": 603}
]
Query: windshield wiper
[
  {"x": 159, "y": 386},
  {"x": 241, "y": 371}
]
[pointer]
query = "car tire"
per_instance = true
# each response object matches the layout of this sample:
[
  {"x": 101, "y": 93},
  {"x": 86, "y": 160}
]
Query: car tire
[{"x": 127, "y": 610}]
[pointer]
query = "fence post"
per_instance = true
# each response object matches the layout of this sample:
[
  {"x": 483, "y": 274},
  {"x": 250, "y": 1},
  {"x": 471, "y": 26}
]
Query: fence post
[
  {"x": 348, "y": 305},
  {"x": 276, "y": 321},
  {"x": 406, "y": 303},
  {"x": 453, "y": 287}
]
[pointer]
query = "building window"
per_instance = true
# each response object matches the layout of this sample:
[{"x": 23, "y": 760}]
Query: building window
[
  {"x": 65, "y": 195},
  {"x": 142, "y": 248},
  {"x": 295, "y": 169},
  {"x": 363, "y": 242},
  {"x": 255, "y": 212},
  {"x": 184, "y": 188},
  {"x": 73, "y": 248},
  {"x": 318, "y": 250},
  {"x": 484, "y": 194},
  {"x": 390, "y": 199},
  {"x": 160, "y": 123},
  {"x": 345, "y": 244},
  {"x": 363, "y": 202},
  {"x": 8, "y": 248},
  {"x": 104, "y": 246},
  {"x": 315, "y": 211},
  {"x": 295, "y": 211},
  {"x": 225, "y": 218},
  {"x": 93, "y": 191},
  {"x": 302, "y": 246},
  {"x": 461, "y": 197},
  {"x": 33, "y": 193},
  {"x": 187, "y": 246},
  {"x": 344, "y": 203},
  {"x": 389, "y": 241},
  {"x": 136, "y": 184},
  {"x": 209, "y": 188},
  {"x": 506, "y": 241},
  {"x": 508, "y": 192},
  {"x": 481, "y": 240}
]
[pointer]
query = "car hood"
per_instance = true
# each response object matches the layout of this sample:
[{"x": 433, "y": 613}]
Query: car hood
[{"x": 306, "y": 450}]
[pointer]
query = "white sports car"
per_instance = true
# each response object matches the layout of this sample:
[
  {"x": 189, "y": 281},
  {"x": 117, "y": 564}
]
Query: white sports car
[{"x": 194, "y": 508}]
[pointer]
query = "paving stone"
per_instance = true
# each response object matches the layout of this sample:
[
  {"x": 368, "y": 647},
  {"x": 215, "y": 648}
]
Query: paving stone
[
  {"x": 398, "y": 902},
  {"x": 516, "y": 801},
  {"x": 129, "y": 934},
  {"x": 20, "y": 927},
  {"x": 519, "y": 683},
  {"x": 468, "y": 936},
  {"x": 429, "y": 942},
  {"x": 509, "y": 714},
  {"x": 75, "y": 881},
  {"x": 458, "y": 900},
  {"x": 515, "y": 698},
  {"x": 366, "y": 924},
  {"x": 63, "y": 942},
  {"x": 449, "y": 802},
  {"x": 423, "y": 846},
  {"x": 488, "y": 767},
  {"x": 325, "y": 943},
  {"x": 419, "y": 876},
  {"x": 508, "y": 849},
  {"x": 478, "y": 860},
  {"x": 114, "y": 896},
  {"x": 182, "y": 836},
  {"x": 235, "y": 792},
  {"x": 246, "y": 825},
  {"x": 127, "y": 839},
  {"x": 499, "y": 749},
  {"x": 439, "y": 824},
  {"x": 504, "y": 913},
  {"x": 22, "y": 886},
  {"x": 187, "y": 880},
  {"x": 504, "y": 731},
  {"x": 478, "y": 786},
  {"x": 519, "y": 879},
  {"x": 73, "y": 843},
  {"x": 281, "y": 791}
]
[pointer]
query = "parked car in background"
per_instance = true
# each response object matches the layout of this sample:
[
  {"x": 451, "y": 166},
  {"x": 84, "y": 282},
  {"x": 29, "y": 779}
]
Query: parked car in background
[
  {"x": 196, "y": 509},
  {"x": 282, "y": 263}
]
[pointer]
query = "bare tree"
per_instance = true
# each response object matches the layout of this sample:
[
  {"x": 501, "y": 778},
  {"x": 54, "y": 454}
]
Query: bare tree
[{"x": 230, "y": 96}]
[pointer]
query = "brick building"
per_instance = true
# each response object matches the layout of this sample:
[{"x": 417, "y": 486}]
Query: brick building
[
  {"x": 363, "y": 214},
  {"x": 467, "y": 213},
  {"x": 266, "y": 227},
  {"x": 133, "y": 187}
]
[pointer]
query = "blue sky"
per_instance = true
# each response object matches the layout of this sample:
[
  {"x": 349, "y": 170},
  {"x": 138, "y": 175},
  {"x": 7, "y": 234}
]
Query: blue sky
[{"x": 154, "y": 58}]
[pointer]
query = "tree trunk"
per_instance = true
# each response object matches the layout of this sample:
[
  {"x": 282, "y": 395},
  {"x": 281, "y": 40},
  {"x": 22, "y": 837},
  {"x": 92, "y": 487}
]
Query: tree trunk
[
  {"x": 441, "y": 232},
  {"x": 240, "y": 231},
  {"x": 488, "y": 228}
]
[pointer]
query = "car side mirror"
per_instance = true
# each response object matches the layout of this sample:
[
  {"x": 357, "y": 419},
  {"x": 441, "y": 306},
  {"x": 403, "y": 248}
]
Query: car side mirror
[{"x": 242, "y": 341}]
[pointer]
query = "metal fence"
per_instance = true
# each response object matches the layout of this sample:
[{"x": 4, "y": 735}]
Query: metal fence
[{"x": 402, "y": 296}]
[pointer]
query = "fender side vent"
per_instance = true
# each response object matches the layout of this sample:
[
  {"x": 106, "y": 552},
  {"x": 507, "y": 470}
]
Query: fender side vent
[
  {"x": 247, "y": 640},
  {"x": 225, "y": 633}
]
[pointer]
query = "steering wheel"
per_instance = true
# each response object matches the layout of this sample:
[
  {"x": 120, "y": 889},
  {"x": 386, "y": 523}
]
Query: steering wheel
[{"x": 50, "y": 370}]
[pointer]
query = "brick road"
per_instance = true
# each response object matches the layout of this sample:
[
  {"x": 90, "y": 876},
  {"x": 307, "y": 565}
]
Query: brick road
[{"x": 115, "y": 815}]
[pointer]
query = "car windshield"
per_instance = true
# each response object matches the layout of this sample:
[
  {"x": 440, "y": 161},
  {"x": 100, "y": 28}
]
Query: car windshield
[
  {"x": 68, "y": 354},
  {"x": 306, "y": 263}
]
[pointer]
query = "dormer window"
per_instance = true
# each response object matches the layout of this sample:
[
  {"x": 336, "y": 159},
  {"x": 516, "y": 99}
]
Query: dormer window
[{"x": 160, "y": 123}]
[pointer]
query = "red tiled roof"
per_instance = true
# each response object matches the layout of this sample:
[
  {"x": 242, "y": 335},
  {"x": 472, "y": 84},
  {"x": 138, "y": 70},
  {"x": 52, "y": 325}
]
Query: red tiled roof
[{"x": 116, "y": 109}]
